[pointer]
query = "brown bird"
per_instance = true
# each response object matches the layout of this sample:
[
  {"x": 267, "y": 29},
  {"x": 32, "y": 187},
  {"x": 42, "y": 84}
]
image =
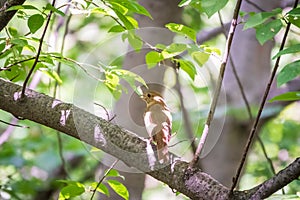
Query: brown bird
[{"x": 158, "y": 122}]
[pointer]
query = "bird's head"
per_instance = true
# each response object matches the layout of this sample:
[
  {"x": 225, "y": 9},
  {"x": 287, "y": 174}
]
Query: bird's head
[{"x": 151, "y": 96}]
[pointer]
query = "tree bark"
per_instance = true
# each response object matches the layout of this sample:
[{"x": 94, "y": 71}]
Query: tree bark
[
  {"x": 5, "y": 17},
  {"x": 126, "y": 146}
]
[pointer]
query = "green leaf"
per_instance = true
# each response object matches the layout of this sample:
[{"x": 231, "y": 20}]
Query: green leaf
[
  {"x": 2, "y": 46},
  {"x": 183, "y": 30},
  {"x": 119, "y": 188},
  {"x": 259, "y": 18},
  {"x": 53, "y": 74},
  {"x": 268, "y": 31},
  {"x": 200, "y": 57},
  {"x": 188, "y": 67},
  {"x": 294, "y": 20},
  {"x": 160, "y": 46},
  {"x": 152, "y": 58},
  {"x": 101, "y": 188},
  {"x": 58, "y": 57},
  {"x": 134, "y": 40},
  {"x": 72, "y": 189},
  {"x": 119, "y": 7},
  {"x": 133, "y": 21},
  {"x": 294, "y": 16},
  {"x": 289, "y": 72},
  {"x": 173, "y": 50},
  {"x": 193, "y": 3},
  {"x": 114, "y": 173},
  {"x": 30, "y": 48},
  {"x": 99, "y": 11},
  {"x": 116, "y": 29},
  {"x": 46, "y": 59},
  {"x": 176, "y": 48},
  {"x": 130, "y": 77},
  {"x": 111, "y": 80},
  {"x": 289, "y": 50},
  {"x": 22, "y": 7},
  {"x": 210, "y": 7},
  {"x": 127, "y": 23},
  {"x": 295, "y": 12},
  {"x": 132, "y": 6},
  {"x": 53, "y": 9},
  {"x": 211, "y": 50},
  {"x": 13, "y": 31},
  {"x": 289, "y": 96},
  {"x": 19, "y": 42},
  {"x": 184, "y": 3},
  {"x": 16, "y": 73},
  {"x": 35, "y": 22}
]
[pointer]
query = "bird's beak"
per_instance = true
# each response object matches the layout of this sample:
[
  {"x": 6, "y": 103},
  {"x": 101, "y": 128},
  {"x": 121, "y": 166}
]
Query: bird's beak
[{"x": 142, "y": 96}]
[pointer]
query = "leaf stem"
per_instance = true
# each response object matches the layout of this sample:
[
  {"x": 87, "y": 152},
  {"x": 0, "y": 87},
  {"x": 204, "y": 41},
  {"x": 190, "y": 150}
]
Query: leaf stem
[{"x": 103, "y": 177}]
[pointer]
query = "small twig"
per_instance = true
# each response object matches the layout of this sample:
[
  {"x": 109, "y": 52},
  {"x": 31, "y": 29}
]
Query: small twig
[
  {"x": 261, "y": 107},
  {"x": 103, "y": 177},
  {"x": 92, "y": 3},
  {"x": 187, "y": 122},
  {"x": 114, "y": 18},
  {"x": 173, "y": 145},
  {"x": 61, "y": 155},
  {"x": 219, "y": 85},
  {"x": 247, "y": 104},
  {"x": 261, "y": 144},
  {"x": 15, "y": 125},
  {"x": 105, "y": 110},
  {"x": 15, "y": 63},
  {"x": 38, "y": 52},
  {"x": 80, "y": 65},
  {"x": 267, "y": 157}
]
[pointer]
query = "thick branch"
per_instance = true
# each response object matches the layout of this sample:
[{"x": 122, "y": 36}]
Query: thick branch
[
  {"x": 5, "y": 17},
  {"x": 132, "y": 150},
  {"x": 277, "y": 182}
]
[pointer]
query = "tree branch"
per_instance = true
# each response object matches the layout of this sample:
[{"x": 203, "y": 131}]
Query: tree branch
[
  {"x": 219, "y": 84},
  {"x": 5, "y": 17},
  {"x": 112, "y": 139},
  {"x": 284, "y": 177}
]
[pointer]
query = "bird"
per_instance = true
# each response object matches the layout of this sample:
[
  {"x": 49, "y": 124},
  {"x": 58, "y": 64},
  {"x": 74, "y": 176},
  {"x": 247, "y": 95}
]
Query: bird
[{"x": 158, "y": 123}]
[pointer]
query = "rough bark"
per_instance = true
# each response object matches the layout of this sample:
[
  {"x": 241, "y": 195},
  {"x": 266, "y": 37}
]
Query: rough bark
[
  {"x": 5, "y": 17},
  {"x": 125, "y": 145}
]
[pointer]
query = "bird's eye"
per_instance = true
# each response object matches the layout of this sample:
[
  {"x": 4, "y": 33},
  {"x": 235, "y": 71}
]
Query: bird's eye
[{"x": 148, "y": 95}]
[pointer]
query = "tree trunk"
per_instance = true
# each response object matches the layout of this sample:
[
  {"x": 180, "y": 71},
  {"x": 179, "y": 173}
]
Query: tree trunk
[{"x": 130, "y": 108}]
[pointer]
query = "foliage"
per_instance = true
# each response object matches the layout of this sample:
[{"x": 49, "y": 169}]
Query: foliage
[
  {"x": 75, "y": 188},
  {"x": 25, "y": 167}
]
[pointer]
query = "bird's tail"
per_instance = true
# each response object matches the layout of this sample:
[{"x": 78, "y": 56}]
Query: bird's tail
[{"x": 162, "y": 139}]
